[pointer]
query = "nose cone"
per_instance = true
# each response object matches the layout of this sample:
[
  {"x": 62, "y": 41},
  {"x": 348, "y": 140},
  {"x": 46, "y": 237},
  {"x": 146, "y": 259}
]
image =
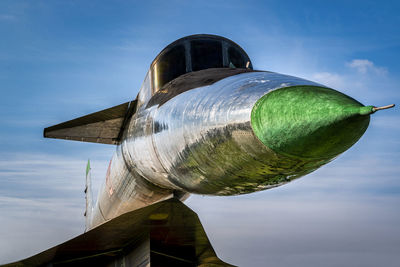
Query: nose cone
[{"x": 309, "y": 121}]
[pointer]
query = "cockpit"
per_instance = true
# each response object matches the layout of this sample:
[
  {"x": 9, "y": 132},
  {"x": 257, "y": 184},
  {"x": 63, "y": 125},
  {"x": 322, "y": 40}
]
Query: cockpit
[{"x": 194, "y": 53}]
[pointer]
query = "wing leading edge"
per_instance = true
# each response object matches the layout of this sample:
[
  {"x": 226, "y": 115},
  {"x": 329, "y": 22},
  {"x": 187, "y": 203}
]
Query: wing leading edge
[{"x": 104, "y": 126}]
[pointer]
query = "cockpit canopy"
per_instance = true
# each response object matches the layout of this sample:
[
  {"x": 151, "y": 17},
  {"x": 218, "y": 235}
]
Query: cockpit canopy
[{"x": 194, "y": 53}]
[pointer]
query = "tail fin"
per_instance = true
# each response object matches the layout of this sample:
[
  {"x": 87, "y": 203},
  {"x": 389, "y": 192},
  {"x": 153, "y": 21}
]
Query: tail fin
[{"x": 88, "y": 196}]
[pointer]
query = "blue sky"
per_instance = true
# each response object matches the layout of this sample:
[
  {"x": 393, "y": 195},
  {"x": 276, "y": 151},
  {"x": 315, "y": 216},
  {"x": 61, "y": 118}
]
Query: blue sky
[{"x": 64, "y": 59}]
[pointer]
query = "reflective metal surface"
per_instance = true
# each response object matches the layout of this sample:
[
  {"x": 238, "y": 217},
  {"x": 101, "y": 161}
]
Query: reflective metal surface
[
  {"x": 200, "y": 141},
  {"x": 124, "y": 190}
]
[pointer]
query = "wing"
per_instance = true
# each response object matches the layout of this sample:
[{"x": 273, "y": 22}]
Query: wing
[
  {"x": 167, "y": 233},
  {"x": 104, "y": 126}
]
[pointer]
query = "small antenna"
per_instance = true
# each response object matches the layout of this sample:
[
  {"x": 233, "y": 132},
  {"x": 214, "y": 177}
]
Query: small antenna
[{"x": 380, "y": 108}]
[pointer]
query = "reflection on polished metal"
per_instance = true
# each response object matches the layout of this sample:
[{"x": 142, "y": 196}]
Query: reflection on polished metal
[{"x": 223, "y": 129}]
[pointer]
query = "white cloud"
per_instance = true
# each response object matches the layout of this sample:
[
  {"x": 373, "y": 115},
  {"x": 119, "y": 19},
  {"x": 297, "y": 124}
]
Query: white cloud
[
  {"x": 303, "y": 231},
  {"x": 365, "y": 66},
  {"x": 48, "y": 171},
  {"x": 29, "y": 226},
  {"x": 360, "y": 80},
  {"x": 41, "y": 201},
  {"x": 333, "y": 80},
  {"x": 387, "y": 123}
]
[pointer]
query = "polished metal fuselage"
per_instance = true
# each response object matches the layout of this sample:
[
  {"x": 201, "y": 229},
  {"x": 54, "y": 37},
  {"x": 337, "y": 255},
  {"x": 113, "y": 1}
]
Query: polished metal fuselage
[{"x": 200, "y": 141}]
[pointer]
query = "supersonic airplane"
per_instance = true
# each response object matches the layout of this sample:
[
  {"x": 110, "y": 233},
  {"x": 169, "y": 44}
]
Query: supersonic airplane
[{"x": 204, "y": 122}]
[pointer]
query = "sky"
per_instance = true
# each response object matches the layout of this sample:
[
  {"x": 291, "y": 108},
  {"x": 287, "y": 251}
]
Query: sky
[{"x": 64, "y": 59}]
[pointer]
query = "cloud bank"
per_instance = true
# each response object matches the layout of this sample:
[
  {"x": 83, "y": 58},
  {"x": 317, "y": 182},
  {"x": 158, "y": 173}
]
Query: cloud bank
[{"x": 364, "y": 66}]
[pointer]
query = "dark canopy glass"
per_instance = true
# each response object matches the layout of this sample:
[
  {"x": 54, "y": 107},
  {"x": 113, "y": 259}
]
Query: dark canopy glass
[
  {"x": 206, "y": 54},
  {"x": 194, "y": 53},
  {"x": 170, "y": 66}
]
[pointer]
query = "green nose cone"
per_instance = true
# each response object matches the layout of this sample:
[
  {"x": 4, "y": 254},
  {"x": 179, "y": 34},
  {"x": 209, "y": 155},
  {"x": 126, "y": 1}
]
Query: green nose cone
[{"x": 309, "y": 121}]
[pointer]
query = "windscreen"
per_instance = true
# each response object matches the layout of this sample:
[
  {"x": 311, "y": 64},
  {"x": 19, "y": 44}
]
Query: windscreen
[
  {"x": 236, "y": 58},
  {"x": 169, "y": 66},
  {"x": 206, "y": 54}
]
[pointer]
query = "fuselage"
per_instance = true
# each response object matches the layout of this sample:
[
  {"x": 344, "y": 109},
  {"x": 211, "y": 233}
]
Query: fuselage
[
  {"x": 204, "y": 122},
  {"x": 203, "y": 141}
]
